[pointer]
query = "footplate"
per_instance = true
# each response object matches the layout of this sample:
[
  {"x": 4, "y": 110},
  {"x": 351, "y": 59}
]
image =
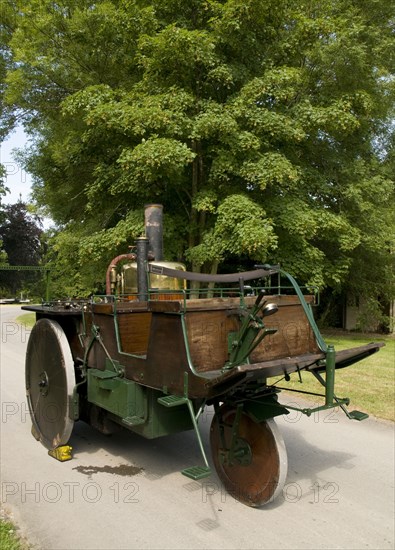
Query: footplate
[
  {"x": 197, "y": 472},
  {"x": 172, "y": 401},
  {"x": 358, "y": 415}
]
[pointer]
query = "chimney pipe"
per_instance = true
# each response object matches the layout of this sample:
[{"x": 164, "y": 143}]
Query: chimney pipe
[
  {"x": 142, "y": 277},
  {"x": 154, "y": 229}
]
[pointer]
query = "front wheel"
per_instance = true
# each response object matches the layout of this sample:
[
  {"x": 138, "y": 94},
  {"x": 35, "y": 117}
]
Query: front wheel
[{"x": 252, "y": 464}]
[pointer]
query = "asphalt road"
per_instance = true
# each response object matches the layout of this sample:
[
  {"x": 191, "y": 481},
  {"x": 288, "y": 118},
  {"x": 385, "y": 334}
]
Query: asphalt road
[{"x": 339, "y": 491}]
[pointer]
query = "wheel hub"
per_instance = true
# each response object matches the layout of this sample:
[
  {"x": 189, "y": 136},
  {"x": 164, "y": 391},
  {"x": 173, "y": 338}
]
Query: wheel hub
[
  {"x": 240, "y": 455},
  {"x": 43, "y": 384}
]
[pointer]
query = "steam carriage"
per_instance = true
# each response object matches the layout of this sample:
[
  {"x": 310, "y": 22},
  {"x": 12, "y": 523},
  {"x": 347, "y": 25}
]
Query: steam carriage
[{"x": 151, "y": 354}]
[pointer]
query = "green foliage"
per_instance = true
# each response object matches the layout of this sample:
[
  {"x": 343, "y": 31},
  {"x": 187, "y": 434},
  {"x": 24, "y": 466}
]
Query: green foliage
[
  {"x": 241, "y": 227},
  {"x": 79, "y": 259},
  {"x": 10, "y": 539},
  {"x": 263, "y": 128},
  {"x": 3, "y": 254},
  {"x": 20, "y": 236},
  {"x": 152, "y": 162},
  {"x": 371, "y": 317}
]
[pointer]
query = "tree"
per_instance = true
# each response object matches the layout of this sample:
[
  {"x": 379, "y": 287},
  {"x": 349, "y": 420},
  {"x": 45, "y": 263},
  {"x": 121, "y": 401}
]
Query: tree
[
  {"x": 20, "y": 233},
  {"x": 3, "y": 254},
  {"x": 259, "y": 126}
]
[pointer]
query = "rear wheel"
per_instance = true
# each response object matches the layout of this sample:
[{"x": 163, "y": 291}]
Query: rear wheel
[
  {"x": 254, "y": 472},
  {"x": 50, "y": 382}
]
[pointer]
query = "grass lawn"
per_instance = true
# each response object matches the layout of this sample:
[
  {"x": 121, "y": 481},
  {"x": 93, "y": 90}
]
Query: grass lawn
[
  {"x": 27, "y": 319},
  {"x": 9, "y": 540}
]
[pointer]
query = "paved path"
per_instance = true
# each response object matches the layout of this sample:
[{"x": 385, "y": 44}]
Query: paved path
[{"x": 339, "y": 491}]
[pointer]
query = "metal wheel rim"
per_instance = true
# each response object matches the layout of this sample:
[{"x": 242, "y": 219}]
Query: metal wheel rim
[
  {"x": 50, "y": 382},
  {"x": 263, "y": 480}
]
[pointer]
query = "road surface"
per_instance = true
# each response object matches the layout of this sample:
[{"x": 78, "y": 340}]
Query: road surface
[{"x": 125, "y": 492}]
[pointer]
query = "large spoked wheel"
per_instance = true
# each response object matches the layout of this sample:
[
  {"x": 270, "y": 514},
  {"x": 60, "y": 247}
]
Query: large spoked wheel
[
  {"x": 50, "y": 382},
  {"x": 254, "y": 471}
]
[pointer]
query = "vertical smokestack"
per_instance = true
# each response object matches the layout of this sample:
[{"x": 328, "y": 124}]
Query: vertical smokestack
[
  {"x": 142, "y": 277},
  {"x": 154, "y": 229}
]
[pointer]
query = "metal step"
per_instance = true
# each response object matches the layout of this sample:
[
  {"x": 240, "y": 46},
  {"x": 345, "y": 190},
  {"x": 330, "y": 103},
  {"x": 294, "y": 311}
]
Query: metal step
[
  {"x": 172, "y": 401},
  {"x": 197, "y": 472},
  {"x": 133, "y": 420},
  {"x": 358, "y": 415}
]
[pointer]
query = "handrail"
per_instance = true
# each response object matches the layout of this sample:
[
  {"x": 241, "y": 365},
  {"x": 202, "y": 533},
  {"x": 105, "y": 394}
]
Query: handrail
[{"x": 309, "y": 314}]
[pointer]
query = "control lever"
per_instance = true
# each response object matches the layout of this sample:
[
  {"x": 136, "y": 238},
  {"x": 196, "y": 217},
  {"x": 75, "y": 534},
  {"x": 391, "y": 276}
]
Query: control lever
[{"x": 251, "y": 333}]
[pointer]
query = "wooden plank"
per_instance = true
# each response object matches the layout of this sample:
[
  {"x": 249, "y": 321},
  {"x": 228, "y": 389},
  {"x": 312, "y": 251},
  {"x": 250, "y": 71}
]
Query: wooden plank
[
  {"x": 209, "y": 304},
  {"x": 170, "y": 306},
  {"x": 208, "y": 330},
  {"x": 103, "y": 309},
  {"x": 134, "y": 331},
  {"x": 208, "y": 337},
  {"x": 347, "y": 357},
  {"x": 50, "y": 311},
  {"x": 294, "y": 335}
]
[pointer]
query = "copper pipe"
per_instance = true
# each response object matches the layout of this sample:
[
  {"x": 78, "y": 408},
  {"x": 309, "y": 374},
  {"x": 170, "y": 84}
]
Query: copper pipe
[{"x": 113, "y": 264}]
